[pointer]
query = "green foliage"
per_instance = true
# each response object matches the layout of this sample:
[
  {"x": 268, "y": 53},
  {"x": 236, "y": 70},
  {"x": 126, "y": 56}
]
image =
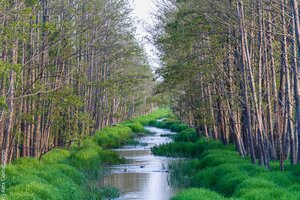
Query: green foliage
[{"x": 3, "y": 103}]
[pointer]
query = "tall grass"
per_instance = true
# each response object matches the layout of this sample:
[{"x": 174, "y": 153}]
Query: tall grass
[
  {"x": 64, "y": 174},
  {"x": 219, "y": 168},
  {"x": 197, "y": 194}
]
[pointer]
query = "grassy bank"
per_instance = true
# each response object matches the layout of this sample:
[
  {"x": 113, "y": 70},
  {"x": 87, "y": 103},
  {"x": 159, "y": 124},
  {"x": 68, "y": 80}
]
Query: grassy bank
[
  {"x": 215, "y": 171},
  {"x": 64, "y": 174}
]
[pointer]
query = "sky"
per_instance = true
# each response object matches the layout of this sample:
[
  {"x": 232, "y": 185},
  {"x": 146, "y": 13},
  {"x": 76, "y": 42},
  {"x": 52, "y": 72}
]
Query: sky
[{"x": 143, "y": 19}]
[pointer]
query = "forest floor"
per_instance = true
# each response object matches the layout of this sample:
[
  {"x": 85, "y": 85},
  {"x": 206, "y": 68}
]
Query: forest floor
[{"x": 215, "y": 171}]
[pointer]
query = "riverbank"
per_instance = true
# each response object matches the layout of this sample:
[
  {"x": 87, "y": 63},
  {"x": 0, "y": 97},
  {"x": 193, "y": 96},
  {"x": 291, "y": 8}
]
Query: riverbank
[
  {"x": 65, "y": 174},
  {"x": 215, "y": 171}
]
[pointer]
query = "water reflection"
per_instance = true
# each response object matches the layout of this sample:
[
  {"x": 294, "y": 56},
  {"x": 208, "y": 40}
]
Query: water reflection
[{"x": 145, "y": 176}]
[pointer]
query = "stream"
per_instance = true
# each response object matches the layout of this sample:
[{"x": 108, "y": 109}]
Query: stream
[{"x": 144, "y": 176}]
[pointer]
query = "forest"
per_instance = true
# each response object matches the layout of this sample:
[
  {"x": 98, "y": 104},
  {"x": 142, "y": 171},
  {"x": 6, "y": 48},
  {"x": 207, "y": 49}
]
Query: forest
[
  {"x": 68, "y": 68},
  {"x": 84, "y": 114}
]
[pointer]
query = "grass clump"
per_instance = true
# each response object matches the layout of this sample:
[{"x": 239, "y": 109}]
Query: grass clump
[
  {"x": 135, "y": 126},
  {"x": 87, "y": 156},
  {"x": 105, "y": 192},
  {"x": 178, "y": 127},
  {"x": 34, "y": 191},
  {"x": 29, "y": 179},
  {"x": 197, "y": 194},
  {"x": 146, "y": 120},
  {"x": 109, "y": 157},
  {"x": 182, "y": 171},
  {"x": 187, "y": 135},
  {"x": 109, "y": 192},
  {"x": 181, "y": 149},
  {"x": 112, "y": 137},
  {"x": 169, "y": 123},
  {"x": 260, "y": 189}
]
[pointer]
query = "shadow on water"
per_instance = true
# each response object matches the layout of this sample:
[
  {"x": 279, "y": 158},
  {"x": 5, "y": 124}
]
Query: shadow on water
[{"x": 144, "y": 176}]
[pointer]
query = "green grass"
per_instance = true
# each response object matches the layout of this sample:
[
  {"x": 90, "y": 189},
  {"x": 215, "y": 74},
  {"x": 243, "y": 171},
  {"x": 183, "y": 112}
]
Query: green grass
[
  {"x": 219, "y": 172},
  {"x": 65, "y": 174},
  {"x": 135, "y": 126},
  {"x": 179, "y": 149},
  {"x": 198, "y": 194},
  {"x": 52, "y": 178},
  {"x": 187, "y": 135},
  {"x": 104, "y": 192},
  {"x": 112, "y": 137}
]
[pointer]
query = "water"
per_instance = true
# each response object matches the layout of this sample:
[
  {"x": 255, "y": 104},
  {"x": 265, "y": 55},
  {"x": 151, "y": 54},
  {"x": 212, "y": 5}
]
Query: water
[{"x": 145, "y": 176}]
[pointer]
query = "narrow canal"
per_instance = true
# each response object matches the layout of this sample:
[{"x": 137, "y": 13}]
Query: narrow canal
[{"x": 144, "y": 176}]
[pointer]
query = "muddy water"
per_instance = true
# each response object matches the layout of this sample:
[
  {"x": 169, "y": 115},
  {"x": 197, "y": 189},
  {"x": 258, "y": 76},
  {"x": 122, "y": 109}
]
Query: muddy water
[{"x": 145, "y": 176}]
